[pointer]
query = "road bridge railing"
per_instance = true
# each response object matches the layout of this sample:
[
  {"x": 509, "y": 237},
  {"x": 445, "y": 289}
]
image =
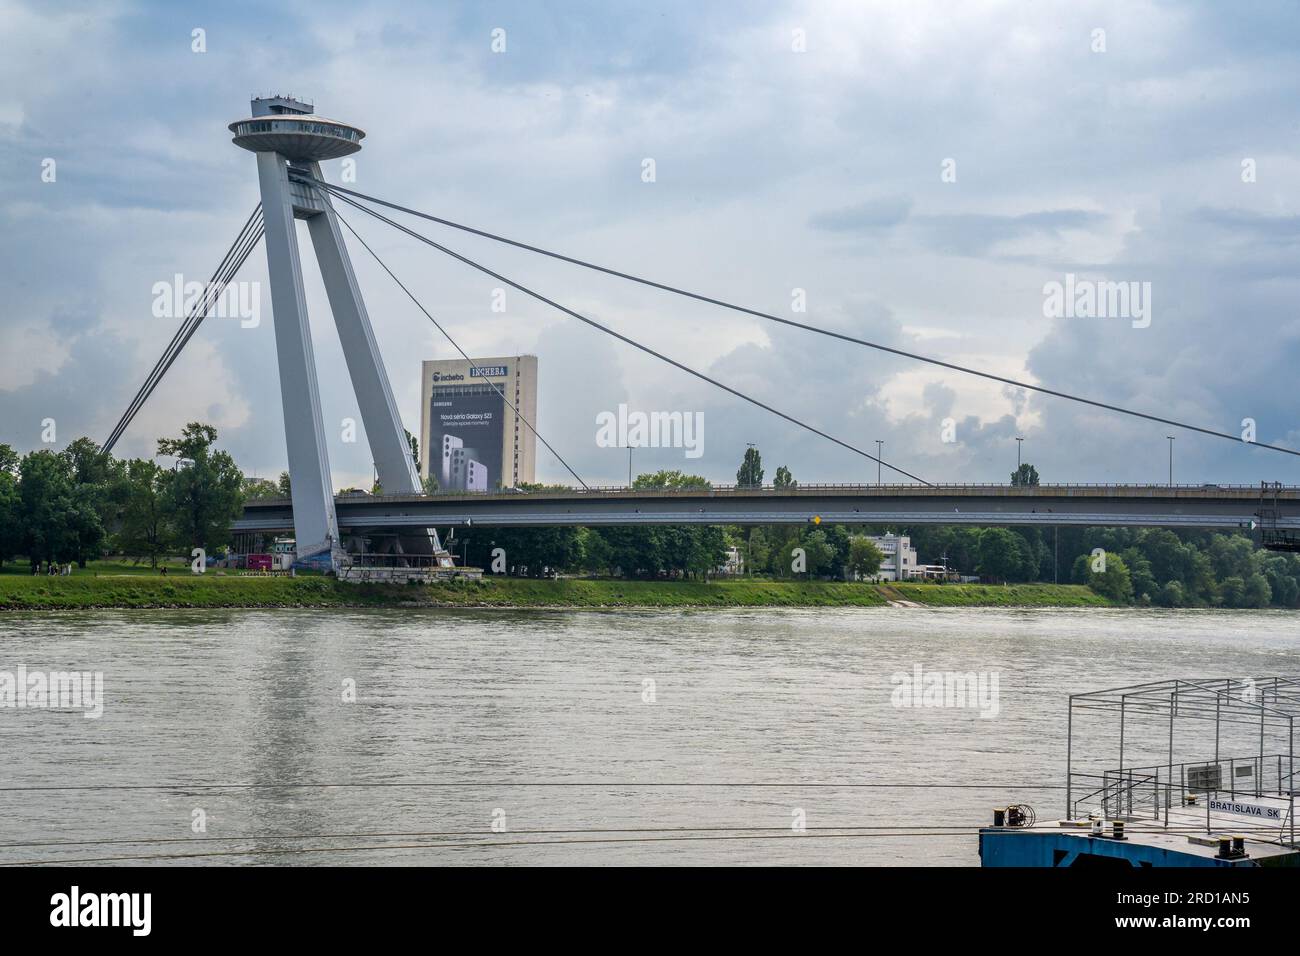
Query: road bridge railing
[
  {"x": 1218, "y": 507},
  {"x": 1227, "y": 492}
]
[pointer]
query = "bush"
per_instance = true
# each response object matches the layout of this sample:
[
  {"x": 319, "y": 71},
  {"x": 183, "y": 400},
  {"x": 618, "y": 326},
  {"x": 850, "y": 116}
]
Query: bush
[
  {"x": 1114, "y": 582},
  {"x": 1172, "y": 595}
]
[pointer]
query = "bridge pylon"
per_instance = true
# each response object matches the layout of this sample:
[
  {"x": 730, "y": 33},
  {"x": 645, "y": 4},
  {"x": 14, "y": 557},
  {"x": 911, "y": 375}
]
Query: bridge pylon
[{"x": 287, "y": 136}]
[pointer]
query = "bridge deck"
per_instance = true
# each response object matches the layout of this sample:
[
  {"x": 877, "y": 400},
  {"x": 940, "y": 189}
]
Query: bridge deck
[{"x": 1185, "y": 506}]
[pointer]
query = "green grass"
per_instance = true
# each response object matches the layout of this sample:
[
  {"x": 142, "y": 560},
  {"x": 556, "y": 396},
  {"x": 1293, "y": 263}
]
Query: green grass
[
  {"x": 995, "y": 595},
  {"x": 619, "y": 593},
  {"x": 181, "y": 590},
  {"x": 110, "y": 585},
  {"x": 20, "y": 567}
]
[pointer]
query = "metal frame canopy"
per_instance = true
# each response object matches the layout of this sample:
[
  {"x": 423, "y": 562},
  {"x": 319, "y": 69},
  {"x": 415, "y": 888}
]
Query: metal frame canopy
[{"x": 1264, "y": 708}]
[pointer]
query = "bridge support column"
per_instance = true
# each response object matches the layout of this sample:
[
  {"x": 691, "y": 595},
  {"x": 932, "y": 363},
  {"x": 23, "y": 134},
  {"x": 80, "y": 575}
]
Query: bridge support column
[
  {"x": 384, "y": 431},
  {"x": 314, "y": 522}
]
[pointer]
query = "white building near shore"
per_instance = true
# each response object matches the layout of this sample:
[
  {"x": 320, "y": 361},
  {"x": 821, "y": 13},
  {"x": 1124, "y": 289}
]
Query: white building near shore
[
  {"x": 734, "y": 565},
  {"x": 900, "y": 561}
]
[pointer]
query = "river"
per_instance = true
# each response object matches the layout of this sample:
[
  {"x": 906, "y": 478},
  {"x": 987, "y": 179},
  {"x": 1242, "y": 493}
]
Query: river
[{"x": 619, "y": 737}]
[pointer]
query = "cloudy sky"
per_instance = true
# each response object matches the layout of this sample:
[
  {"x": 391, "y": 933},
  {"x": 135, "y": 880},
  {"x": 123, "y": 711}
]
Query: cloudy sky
[{"x": 921, "y": 170}]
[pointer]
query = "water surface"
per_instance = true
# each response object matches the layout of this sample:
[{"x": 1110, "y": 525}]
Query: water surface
[{"x": 539, "y": 721}]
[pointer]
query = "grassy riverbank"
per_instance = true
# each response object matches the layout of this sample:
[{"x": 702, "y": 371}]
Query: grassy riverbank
[{"x": 113, "y": 588}]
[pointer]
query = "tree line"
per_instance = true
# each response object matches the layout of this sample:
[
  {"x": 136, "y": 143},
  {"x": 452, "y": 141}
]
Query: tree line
[
  {"x": 74, "y": 505},
  {"x": 1147, "y": 566},
  {"x": 79, "y": 503},
  {"x": 1143, "y": 566}
]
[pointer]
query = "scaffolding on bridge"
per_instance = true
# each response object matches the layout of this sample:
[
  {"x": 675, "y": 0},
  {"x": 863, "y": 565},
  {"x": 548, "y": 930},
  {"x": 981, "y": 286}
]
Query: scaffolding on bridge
[{"x": 1271, "y": 536}]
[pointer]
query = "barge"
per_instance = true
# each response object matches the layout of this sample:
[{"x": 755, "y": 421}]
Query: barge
[{"x": 1185, "y": 773}]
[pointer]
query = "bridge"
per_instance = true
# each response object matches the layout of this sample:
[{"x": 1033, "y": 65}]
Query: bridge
[
  {"x": 1218, "y": 507},
  {"x": 290, "y": 142}
]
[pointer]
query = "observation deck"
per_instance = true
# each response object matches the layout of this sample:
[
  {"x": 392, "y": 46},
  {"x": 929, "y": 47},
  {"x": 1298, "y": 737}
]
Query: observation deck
[{"x": 290, "y": 127}]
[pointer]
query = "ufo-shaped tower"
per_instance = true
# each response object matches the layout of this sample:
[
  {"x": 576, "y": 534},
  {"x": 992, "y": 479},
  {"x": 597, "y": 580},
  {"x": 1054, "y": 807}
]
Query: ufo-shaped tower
[
  {"x": 290, "y": 127},
  {"x": 290, "y": 142}
]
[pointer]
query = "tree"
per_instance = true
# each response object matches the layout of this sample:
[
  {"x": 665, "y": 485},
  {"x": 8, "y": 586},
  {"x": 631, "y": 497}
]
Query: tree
[
  {"x": 782, "y": 540},
  {"x": 538, "y": 488},
  {"x": 1026, "y": 474},
  {"x": 143, "y": 530},
  {"x": 202, "y": 494},
  {"x": 1280, "y": 571},
  {"x": 286, "y": 488},
  {"x": 1167, "y": 556},
  {"x": 1233, "y": 555},
  {"x": 672, "y": 481},
  {"x": 596, "y": 553},
  {"x": 758, "y": 548},
  {"x": 999, "y": 554},
  {"x": 260, "y": 489},
  {"x": 689, "y": 549},
  {"x": 635, "y": 551},
  {"x": 55, "y": 507},
  {"x": 784, "y": 481},
  {"x": 414, "y": 443},
  {"x": 1172, "y": 595},
  {"x": 1139, "y": 570},
  {"x": 750, "y": 474},
  {"x": 1200, "y": 581},
  {"x": 864, "y": 557},
  {"x": 529, "y": 551},
  {"x": 98, "y": 482},
  {"x": 430, "y": 484},
  {"x": 708, "y": 549},
  {"x": 50, "y": 513},
  {"x": 1258, "y": 592},
  {"x": 819, "y": 553},
  {"x": 1114, "y": 582},
  {"x": 839, "y": 538},
  {"x": 1232, "y": 591},
  {"x": 958, "y": 546},
  {"x": 90, "y": 466},
  {"x": 10, "y": 505}
]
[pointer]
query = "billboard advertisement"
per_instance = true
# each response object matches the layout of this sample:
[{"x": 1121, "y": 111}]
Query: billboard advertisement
[{"x": 466, "y": 437}]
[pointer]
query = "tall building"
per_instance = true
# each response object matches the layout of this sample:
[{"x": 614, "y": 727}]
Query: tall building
[{"x": 470, "y": 437}]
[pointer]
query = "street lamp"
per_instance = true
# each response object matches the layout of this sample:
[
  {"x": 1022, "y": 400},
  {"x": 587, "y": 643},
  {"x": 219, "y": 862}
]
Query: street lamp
[
  {"x": 1018, "y": 441},
  {"x": 749, "y": 542},
  {"x": 879, "y": 446},
  {"x": 1171, "y": 460}
]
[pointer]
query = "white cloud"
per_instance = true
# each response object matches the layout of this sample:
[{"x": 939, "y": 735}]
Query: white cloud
[
  {"x": 27, "y": 352},
  {"x": 776, "y": 170}
]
